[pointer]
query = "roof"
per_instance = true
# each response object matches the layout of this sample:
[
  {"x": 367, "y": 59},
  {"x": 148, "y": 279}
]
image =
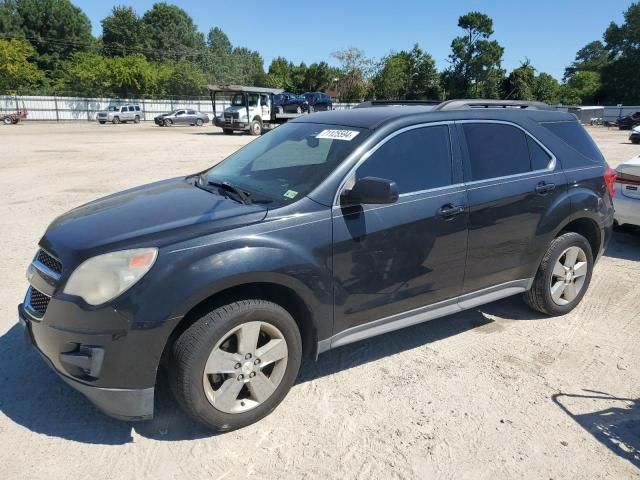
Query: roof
[
  {"x": 242, "y": 88},
  {"x": 375, "y": 117}
]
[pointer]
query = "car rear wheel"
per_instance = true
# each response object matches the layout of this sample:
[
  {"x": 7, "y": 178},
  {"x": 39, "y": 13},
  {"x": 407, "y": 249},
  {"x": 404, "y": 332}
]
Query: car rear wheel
[
  {"x": 234, "y": 366},
  {"x": 563, "y": 276},
  {"x": 136, "y": 119},
  {"x": 6, "y": 120},
  {"x": 116, "y": 120},
  {"x": 199, "y": 122}
]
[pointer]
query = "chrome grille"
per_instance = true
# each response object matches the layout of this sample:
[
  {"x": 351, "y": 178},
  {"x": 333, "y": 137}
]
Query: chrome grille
[
  {"x": 48, "y": 261},
  {"x": 38, "y": 301}
]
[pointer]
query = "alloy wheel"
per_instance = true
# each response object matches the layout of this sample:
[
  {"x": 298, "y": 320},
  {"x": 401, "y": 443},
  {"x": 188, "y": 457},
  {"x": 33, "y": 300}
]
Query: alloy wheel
[
  {"x": 569, "y": 275},
  {"x": 245, "y": 367}
]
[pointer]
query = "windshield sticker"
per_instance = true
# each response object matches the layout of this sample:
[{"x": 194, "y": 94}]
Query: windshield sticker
[
  {"x": 290, "y": 194},
  {"x": 347, "y": 135}
]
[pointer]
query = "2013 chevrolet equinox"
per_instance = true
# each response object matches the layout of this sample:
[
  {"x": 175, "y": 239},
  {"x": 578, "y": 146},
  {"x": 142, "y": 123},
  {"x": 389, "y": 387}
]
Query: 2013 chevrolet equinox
[{"x": 332, "y": 228}]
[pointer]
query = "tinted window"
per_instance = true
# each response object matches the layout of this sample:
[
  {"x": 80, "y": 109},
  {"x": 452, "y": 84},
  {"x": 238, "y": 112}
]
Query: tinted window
[
  {"x": 495, "y": 150},
  {"x": 416, "y": 160},
  {"x": 191, "y": 112},
  {"x": 137, "y": 109},
  {"x": 576, "y": 137},
  {"x": 539, "y": 158}
]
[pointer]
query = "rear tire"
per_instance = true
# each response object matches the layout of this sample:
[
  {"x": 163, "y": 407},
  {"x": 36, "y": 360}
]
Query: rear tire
[
  {"x": 562, "y": 279},
  {"x": 234, "y": 340},
  {"x": 199, "y": 122},
  {"x": 137, "y": 119},
  {"x": 6, "y": 120}
]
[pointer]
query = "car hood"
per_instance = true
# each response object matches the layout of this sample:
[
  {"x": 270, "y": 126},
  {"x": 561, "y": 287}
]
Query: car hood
[{"x": 157, "y": 214}]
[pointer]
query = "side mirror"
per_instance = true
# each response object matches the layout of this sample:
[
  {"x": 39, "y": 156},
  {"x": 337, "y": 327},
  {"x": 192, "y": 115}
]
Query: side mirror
[{"x": 371, "y": 190}]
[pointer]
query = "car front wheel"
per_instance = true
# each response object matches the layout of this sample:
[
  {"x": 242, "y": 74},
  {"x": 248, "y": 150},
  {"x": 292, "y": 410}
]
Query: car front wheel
[
  {"x": 563, "y": 276},
  {"x": 233, "y": 366},
  {"x": 199, "y": 122}
]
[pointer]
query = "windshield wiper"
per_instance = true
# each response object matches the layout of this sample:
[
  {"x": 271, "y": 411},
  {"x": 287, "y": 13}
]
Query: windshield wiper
[{"x": 229, "y": 187}]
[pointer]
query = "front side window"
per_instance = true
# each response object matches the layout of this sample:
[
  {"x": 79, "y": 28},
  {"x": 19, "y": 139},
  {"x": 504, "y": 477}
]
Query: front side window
[
  {"x": 416, "y": 160},
  {"x": 495, "y": 150},
  {"x": 289, "y": 162}
]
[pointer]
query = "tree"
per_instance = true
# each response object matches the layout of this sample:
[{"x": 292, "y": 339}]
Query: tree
[
  {"x": 475, "y": 60},
  {"x": 593, "y": 57},
  {"x": 620, "y": 75},
  {"x": 123, "y": 32},
  {"x": 10, "y": 21},
  {"x": 279, "y": 74},
  {"x": 172, "y": 34},
  {"x": 17, "y": 73},
  {"x": 319, "y": 76},
  {"x": 520, "y": 84},
  {"x": 248, "y": 67},
  {"x": 546, "y": 89},
  {"x": 219, "y": 63},
  {"x": 56, "y": 28},
  {"x": 582, "y": 88},
  {"x": 355, "y": 70},
  {"x": 185, "y": 78}
]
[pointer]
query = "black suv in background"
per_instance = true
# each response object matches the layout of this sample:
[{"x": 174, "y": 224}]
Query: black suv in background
[{"x": 330, "y": 229}]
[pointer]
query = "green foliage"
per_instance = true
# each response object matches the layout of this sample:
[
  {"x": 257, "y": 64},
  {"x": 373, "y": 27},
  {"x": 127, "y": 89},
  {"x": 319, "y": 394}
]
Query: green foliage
[
  {"x": 475, "y": 60},
  {"x": 520, "y": 84},
  {"x": 355, "y": 69},
  {"x": 123, "y": 33},
  {"x": 546, "y": 89},
  {"x": 10, "y": 21},
  {"x": 171, "y": 34},
  {"x": 590, "y": 58},
  {"x": 56, "y": 28},
  {"x": 620, "y": 76},
  {"x": 407, "y": 75},
  {"x": 16, "y": 71}
]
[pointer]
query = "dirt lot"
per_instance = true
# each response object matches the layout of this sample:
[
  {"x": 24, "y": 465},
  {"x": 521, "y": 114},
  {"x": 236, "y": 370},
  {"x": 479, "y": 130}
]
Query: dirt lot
[{"x": 497, "y": 392}]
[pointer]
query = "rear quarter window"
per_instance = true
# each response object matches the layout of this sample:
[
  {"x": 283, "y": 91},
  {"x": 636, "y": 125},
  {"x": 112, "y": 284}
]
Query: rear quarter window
[{"x": 577, "y": 138}]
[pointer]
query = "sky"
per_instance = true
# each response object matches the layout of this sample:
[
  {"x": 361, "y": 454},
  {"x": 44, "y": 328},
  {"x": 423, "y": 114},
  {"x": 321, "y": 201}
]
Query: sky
[{"x": 548, "y": 33}]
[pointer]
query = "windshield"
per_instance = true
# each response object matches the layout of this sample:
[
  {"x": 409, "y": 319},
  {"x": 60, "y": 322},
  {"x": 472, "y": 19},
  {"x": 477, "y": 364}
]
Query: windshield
[
  {"x": 113, "y": 109},
  {"x": 238, "y": 100},
  {"x": 286, "y": 164}
]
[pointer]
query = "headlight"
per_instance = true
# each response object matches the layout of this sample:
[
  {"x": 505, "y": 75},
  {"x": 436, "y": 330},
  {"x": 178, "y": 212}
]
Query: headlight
[{"x": 104, "y": 277}]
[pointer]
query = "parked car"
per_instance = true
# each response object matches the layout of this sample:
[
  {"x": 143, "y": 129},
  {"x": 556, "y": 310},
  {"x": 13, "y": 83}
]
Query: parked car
[
  {"x": 318, "y": 101},
  {"x": 628, "y": 122},
  {"x": 330, "y": 229},
  {"x": 627, "y": 199},
  {"x": 290, "y": 103},
  {"x": 635, "y": 135},
  {"x": 182, "y": 116},
  {"x": 120, "y": 114}
]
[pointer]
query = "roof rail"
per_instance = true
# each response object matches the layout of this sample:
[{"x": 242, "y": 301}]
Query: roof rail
[
  {"x": 397, "y": 103},
  {"x": 466, "y": 104}
]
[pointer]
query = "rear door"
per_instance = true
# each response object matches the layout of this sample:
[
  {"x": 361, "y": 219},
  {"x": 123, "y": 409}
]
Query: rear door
[
  {"x": 512, "y": 181},
  {"x": 392, "y": 259}
]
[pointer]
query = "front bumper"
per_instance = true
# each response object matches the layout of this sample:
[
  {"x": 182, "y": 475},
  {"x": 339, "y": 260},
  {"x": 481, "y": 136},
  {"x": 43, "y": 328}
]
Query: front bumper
[{"x": 120, "y": 403}]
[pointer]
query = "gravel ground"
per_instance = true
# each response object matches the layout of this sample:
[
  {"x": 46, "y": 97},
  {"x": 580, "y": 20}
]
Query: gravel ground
[{"x": 495, "y": 392}]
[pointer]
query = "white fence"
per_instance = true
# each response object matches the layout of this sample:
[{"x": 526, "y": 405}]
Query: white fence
[{"x": 53, "y": 108}]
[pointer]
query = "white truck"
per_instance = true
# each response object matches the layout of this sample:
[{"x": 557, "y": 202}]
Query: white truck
[{"x": 251, "y": 109}]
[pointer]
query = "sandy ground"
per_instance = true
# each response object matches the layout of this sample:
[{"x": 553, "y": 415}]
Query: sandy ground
[{"x": 497, "y": 392}]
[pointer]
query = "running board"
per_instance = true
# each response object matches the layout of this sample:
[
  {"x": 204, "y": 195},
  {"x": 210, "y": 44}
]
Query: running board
[{"x": 424, "y": 314}]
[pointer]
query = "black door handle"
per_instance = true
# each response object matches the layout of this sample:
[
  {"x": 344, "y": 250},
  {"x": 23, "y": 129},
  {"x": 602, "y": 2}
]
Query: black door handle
[
  {"x": 450, "y": 211},
  {"x": 544, "y": 187}
]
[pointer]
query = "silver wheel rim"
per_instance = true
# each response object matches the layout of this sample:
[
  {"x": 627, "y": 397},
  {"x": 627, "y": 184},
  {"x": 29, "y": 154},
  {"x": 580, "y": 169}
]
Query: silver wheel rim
[
  {"x": 568, "y": 276},
  {"x": 245, "y": 367}
]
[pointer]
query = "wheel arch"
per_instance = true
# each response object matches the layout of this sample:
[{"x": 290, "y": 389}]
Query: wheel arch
[
  {"x": 587, "y": 227},
  {"x": 287, "y": 297}
]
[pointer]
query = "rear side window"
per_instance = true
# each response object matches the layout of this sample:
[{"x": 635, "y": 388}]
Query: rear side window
[
  {"x": 418, "y": 159},
  {"x": 495, "y": 150},
  {"x": 137, "y": 108},
  {"x": 576, "y": 137},
  {"x": 191, "y": 112},
  {"x": 131, "y": 109},
  {"x": 539, "y": 158}
]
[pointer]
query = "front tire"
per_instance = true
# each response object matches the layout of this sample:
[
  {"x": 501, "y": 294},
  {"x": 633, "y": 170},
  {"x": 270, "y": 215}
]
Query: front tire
[
  {"x": 167, "y": 122},
  {"x": 256, "y": 128},
  {"x": 199, "y": 122},
  {"x": 116, "y": 120},
  {"x": 563, "y": 276},
  {"x": 234, "y": 366}
]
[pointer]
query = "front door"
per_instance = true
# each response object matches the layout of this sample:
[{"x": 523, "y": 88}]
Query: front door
[
  {"x": 512, "y": 181},
  {"x": 391, "y": 259}
]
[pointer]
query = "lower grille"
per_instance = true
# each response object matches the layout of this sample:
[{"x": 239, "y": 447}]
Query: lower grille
[
  {"x": 38, "y": 301},
  {"x": 48, "y": 261}
]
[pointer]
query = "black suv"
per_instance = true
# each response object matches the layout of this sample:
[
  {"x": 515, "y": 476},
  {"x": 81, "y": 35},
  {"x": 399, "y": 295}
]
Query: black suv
[{"x": 328, "y": 230}]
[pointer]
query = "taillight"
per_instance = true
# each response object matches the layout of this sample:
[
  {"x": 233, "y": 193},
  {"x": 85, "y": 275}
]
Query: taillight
[{"x": 610, "y": 180}]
